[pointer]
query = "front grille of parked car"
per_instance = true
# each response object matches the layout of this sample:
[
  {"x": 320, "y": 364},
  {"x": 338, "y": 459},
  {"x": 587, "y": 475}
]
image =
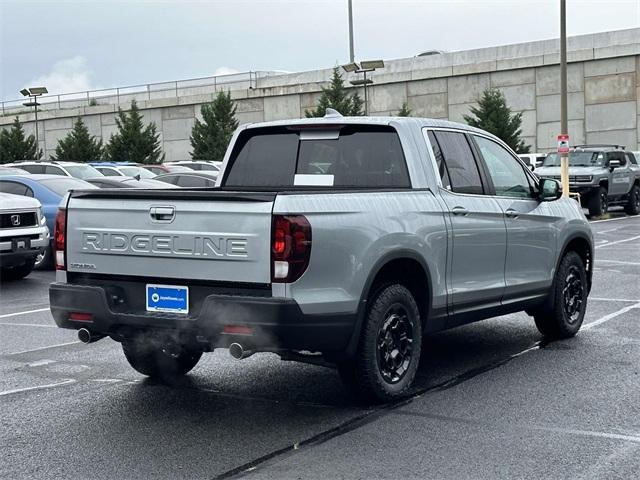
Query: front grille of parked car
[{"x": 18, "y": 220}]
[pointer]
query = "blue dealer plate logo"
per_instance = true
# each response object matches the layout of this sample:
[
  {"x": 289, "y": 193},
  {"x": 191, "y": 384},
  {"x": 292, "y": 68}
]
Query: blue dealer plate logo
[{"x": 167, "y": 298}]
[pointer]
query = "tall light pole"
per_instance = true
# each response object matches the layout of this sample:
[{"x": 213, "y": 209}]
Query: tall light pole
[
  {"x": 33, "y": 93},
  {"x": 564, "y": 124},
  {"x": 364, "y": 67},
  {"x": 351, "y": 55}
]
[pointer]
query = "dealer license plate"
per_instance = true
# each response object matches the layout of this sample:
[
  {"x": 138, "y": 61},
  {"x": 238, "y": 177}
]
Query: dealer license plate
[{"x": 167, "y": 298}]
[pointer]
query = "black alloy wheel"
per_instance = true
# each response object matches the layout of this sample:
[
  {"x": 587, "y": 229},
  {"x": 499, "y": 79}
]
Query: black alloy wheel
[
  {"x": 395, "y": 344},
  {"x": 572, "y": 295}
]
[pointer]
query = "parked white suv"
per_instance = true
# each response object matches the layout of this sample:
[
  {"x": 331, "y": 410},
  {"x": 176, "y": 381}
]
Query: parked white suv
[
  {"x": 69, "y": 169},
  {"x": 23, "y": 235}
]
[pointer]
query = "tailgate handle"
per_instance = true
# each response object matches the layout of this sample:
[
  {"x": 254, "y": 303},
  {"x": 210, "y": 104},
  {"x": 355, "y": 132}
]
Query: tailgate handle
[{"x": 162, "y": 214}]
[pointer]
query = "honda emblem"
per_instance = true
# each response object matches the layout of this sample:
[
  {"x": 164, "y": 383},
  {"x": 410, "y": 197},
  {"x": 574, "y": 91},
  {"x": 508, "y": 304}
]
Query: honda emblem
[{"x": 15, "y": 220}]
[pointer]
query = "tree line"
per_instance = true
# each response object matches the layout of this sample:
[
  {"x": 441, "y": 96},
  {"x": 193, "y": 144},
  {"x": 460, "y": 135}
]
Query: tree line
[{"x": 134, "y": 141}]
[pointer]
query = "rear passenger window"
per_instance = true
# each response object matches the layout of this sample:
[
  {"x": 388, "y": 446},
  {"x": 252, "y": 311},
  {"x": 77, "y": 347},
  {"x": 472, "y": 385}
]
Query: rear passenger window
[
  {"x": 460, "y": 164},
  {"x": 53, "y": 170},
  {"x": 172, "y": 179},
  {"x": 354, "y": 156},
  {"x": 15, "y": 188},
  {"x": 193, "y": 182}
]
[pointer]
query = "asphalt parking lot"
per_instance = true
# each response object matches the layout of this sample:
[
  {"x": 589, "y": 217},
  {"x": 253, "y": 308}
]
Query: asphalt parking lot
[{"x": 491, "y": 400}]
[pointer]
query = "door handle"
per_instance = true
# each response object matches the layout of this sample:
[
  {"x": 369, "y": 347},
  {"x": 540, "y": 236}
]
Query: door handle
[
  {"x": 511, "y": 213},
  {"x": 460, "y": 211},
  {"x": 162, "y": 214}
]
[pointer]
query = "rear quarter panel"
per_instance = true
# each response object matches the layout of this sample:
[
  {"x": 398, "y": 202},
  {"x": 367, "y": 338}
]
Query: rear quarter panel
[{"x": 351, "y": 232}]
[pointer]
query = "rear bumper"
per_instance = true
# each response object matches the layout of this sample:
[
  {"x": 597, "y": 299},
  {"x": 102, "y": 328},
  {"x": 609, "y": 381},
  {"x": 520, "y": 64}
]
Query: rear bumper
[{"x": 276, "y": 323}]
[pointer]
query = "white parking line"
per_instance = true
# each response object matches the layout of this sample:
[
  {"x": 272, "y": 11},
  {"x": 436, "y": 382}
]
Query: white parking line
[
  {"x": 589, "y": 433},
  {"x": 614, "y": 219},
  {"x": 45, "y": 348},
  {"x": 618, "y": 241},
  {"x": 39, "y": 387},
  {"x": 11, "y": 324},
  {"x": 607, "y": 231},
  {"x": 606, "y": 318},
  {"x": 617, "y": 262},
  {"x": 598, "y": 299},
  {"x": 7, "y": 315}
]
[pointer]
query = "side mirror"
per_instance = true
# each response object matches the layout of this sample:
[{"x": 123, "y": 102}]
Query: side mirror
[
  {"x": 614, "y": 163},
  {"x": 549, "y": 189}
]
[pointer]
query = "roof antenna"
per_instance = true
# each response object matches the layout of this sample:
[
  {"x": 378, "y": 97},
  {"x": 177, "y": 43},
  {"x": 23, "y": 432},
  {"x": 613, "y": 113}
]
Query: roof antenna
[{"x": 332, "y": 113}]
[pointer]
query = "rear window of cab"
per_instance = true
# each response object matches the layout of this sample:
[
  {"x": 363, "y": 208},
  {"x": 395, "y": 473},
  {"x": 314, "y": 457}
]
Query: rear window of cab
[{"x": 352, "y": 156}]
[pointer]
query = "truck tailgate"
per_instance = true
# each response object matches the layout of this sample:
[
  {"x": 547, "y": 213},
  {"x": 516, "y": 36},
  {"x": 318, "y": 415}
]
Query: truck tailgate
[{"x": 195, "y": 235}]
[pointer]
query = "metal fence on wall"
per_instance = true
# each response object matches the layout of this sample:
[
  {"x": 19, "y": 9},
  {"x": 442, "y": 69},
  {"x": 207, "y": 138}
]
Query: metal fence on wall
[{"x": 150, "y": 91}]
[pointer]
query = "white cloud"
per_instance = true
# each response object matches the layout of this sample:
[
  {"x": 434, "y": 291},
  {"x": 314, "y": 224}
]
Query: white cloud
[
  {"x": 70, "y": 75},
  {"x": 225, "y": 71}
]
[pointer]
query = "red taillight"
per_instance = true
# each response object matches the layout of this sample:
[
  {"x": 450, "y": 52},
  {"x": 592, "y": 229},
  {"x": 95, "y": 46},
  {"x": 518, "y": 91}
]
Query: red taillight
[
  {"x": 59, "y": 237},
  {"x": 291, "y": 247}
]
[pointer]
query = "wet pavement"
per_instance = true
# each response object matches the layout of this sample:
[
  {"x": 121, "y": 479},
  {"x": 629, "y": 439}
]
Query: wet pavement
[{"x": 491, "y": 400}]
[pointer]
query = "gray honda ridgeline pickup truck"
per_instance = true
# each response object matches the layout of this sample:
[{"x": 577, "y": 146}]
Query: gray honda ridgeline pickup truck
[{"x": 335, "y": 241}]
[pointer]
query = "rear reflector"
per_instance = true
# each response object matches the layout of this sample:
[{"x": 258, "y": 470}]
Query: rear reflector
[
  {"x": 237, "y": 330},
  {"x": 81, "y": 317}
]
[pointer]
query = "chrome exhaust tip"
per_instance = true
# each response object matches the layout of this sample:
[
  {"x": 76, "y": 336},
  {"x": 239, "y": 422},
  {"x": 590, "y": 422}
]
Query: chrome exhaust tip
[
  {"x": 238, "y": 352},
  {"x": 86, "y": 337}
]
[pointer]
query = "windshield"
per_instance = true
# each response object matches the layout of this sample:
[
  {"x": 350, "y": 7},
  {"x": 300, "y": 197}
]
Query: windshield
[
  {"x": 82, "y": 171},
  {"x": 133, "y": 171},
  {"x": 62, "y": 185},
  {"x": 576, "y": 159}
]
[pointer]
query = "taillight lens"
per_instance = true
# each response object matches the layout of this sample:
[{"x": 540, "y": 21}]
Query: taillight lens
[
  {"x": 290, "y": 247},
  {"x": 59, "y": 238}
]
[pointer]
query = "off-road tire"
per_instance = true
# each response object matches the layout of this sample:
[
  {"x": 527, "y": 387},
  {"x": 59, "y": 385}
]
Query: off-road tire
[
  {"x": 633, "y": 202},
  {"x": 554, "y": 320},
  {"x": 598, "y": 202},
  {"x": 365, "y": 373},
  {"x": 18, "y": 272},
  {"x": 150, "y": 358}
]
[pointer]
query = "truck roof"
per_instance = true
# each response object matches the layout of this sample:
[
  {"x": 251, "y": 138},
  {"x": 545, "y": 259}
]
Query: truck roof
[{"x": 412, "y": 122}]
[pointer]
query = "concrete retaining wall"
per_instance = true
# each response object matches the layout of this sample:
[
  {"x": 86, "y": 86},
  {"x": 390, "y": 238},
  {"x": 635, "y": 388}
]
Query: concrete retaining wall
[{"x": 603, "y": 85}]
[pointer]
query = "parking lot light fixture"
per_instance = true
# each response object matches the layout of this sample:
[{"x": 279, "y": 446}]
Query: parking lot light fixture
[
  {"x": 33, "y": 93},
  {"x": 364, "y": 67},
  {"x": 351, "y": 67}
]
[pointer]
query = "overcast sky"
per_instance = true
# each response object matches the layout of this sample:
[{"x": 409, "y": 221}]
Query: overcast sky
[{"x": 86, "y": 44}]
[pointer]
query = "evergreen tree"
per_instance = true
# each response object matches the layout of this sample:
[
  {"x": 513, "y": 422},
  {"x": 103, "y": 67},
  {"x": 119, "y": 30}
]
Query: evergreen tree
[
  {"x": 78, "y": 145},
  {"x": 211, "y": 137},
  {"x": 405, "y": 111},
  {"x": 336, "y": 96},
  {"x": 134, "y": 142},
  {"x": 494, "y": 115},
  {"x": 14, "y": 146}
]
